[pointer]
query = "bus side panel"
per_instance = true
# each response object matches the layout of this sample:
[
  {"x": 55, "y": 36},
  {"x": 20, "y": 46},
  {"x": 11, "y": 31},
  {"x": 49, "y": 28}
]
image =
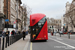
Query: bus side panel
[
  {"x": 43, "y": 35},
  {"x": 46, "y": 31}
]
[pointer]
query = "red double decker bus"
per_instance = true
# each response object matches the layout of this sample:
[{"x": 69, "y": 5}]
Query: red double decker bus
[{"x": 38, "y": 27}]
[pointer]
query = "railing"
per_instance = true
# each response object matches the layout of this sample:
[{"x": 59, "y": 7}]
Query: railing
[{"x": 8, "y": 40}]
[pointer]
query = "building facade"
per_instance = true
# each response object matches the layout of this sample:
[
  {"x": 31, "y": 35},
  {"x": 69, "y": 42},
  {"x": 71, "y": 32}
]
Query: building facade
[
  {"x": 10, "y": 10},
  {"x": 67, "y": 6},
  {"x": 27, "y": 24},
  {"x": 69, "y": 19},
  {"x": 13, "y": 11},
  {"x": 1, "y": 6},
  {"x": 24, "y": 17},
  {"x": 7, "y": 9},
  {"x": 54, "y": 24}
]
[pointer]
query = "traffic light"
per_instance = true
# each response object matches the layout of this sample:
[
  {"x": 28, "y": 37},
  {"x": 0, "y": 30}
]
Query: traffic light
[{"x": 50, "y": 27}]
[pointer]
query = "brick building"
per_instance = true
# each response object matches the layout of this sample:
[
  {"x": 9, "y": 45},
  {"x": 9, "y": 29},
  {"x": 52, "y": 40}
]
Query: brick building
[{"x": 7, "y": 9}]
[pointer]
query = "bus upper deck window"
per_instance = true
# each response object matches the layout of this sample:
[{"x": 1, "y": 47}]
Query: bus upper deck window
[{"x": 33, "y": 21}]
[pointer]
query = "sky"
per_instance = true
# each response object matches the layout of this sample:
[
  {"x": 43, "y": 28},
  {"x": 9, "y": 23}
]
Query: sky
[{"x": 51, "y": 8}]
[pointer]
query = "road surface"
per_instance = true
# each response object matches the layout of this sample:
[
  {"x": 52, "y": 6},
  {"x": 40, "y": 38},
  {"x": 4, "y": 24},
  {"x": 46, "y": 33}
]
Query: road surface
[{"x": 53, "y": 43}]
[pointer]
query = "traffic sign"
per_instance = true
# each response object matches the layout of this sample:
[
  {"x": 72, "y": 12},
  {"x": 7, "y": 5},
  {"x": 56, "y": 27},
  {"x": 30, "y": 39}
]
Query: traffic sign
[{"x": 6, "y": 20}]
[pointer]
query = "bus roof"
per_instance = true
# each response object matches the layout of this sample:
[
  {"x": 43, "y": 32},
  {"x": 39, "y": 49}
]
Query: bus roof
[{"x": 37, "y": 17}]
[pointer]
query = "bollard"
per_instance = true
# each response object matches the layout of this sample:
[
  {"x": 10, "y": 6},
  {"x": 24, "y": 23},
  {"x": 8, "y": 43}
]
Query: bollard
[
  {"x": 0, "y": 43},
  {"x": 69, "y": 35},
  {"x": 60, "y": 34},
  {"x": 55, "y": 34},
  {"x": 10, "y": 40},
  {"x": 6, "y": 42},
  {"x": 3, "y": 44}
]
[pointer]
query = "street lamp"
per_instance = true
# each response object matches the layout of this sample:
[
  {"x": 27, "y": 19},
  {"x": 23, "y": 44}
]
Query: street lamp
[
  {"x": 17, "y": 15},
  {"x": 7, "y": 12}
]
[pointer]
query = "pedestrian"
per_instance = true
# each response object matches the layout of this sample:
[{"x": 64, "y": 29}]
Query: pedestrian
[
  {"x": 55, "y": 33},
  {"x": 19, "y": 32},
  {"x": 16, "y": 32},
  {"x": 24, "y": 34},
  {"x": 13, "y": 33},
  {"x": 7, "y": 33},
  {"x": 27, "y": 32},
  {"x": 51, "y": 33},
  {"x": 7, "y": 37},
  {"x": 3, "y": 33}
]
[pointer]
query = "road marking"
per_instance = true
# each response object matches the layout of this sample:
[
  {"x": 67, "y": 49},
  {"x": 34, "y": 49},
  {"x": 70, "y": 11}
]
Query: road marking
[
  {"x": 63, "y": 43},
  {"x": 26, "y": 46},
  {"x": 31, "y": 46},
  {"x": 59, "y": 39}
]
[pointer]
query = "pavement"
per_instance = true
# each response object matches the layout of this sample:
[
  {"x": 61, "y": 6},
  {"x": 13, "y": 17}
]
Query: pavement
[{"x": 19, "y": 45}]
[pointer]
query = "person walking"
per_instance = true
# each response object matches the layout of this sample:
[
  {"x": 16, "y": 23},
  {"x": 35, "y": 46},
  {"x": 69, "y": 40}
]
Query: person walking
[
  {"x": 7, "y": 33},
  {"x": 19, "y": 32},
  {"x": 3, "y": 33},
  {"x": 51, "y": 33},
  {"x": 13, "y": 33},
  {"x": 55, "y": 33},
  {"x": 7, "y": 37},
  {"x": 24, "y": 34}
]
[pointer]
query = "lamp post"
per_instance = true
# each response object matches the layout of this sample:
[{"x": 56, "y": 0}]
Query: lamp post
[
  {"x": 7, "y": 12},
  {"x": 17, "y": 15}
]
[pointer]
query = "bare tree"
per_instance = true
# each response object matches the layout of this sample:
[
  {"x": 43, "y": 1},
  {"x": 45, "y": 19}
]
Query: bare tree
[
  {"x": 70, "y": 21},
  {"x": 28, "y": 10}
]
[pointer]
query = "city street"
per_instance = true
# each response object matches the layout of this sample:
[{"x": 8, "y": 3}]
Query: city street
[
  {"x": 49, "y": 24},
  {"x": 53, "y": 43}
]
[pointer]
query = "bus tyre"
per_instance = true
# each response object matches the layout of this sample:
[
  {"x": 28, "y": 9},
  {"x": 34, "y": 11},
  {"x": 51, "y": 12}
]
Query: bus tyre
[
  {"x": 45, "y": 40},
  {"x": 31, "y": 41}
]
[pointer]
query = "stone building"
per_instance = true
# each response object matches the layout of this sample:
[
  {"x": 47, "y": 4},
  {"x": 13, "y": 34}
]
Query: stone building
[
  {"x": 13, "y": 13},
  {"x": 48, "y": 23},
  {"x": 10, "y": 10},
  {"x": 20, "y": 18},
  {"x": 24, "y": 17},
  {"x": 54, "y": 24},
  {"x": 1, "y": 6},
  {"x": 67, "y": 6},
  {"x": 27, "y": 23},
  {"x": 69, "y": 18},
  {"x": 58, "y": 24}
]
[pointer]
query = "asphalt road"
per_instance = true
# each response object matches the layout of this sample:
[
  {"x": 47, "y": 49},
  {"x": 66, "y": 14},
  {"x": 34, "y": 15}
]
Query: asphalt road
[{"x": 53, "y": 43}]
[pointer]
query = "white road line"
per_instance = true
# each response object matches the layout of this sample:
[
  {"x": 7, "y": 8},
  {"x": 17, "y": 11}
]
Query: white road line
[
  {"x": 63, "y": 43},
  {"x": 26, "y": 46},
  {"x": 59, "y": 39}
]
